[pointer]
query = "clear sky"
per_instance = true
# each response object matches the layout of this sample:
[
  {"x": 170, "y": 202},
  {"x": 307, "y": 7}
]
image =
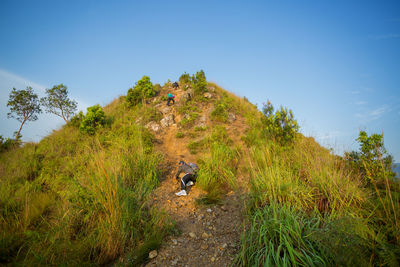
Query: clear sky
[{"x": 335, "y": 64}]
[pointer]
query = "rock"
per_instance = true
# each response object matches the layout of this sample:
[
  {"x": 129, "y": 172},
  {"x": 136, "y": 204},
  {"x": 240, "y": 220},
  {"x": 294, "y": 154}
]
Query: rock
[
  {"x": 231, "y": 117},
  {"x": 204, "y": 246},
  {"x": 207, "y": 95},
  {"x": 153, "y": 254},
  {"x": 212, "y": 259},
  {"x": 165, "y": 110},
  {"x": 211, "y": 89},
  {"x": 209, "y": 210},
  {"x": 167, "y": 120},
  {"x": 174, "y": 262},
  {"x": 154, "y": 126},
  {"x": 224, "y": 245},
  {"x": 204, "y": 235},
  {"x": 192, "y": 235},
  {"x": 174, "y": 241}
]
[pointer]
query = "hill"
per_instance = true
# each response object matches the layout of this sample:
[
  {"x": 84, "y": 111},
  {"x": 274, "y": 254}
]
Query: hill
[{"x": 264, "y": 195}]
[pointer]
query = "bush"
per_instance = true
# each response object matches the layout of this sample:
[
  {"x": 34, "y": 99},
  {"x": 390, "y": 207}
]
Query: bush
[
  {"x": 185, "y": 79},
  {"x": 372, "y": 160},
  {"x": 77, "y": 119},
  {"x": 180, "y": 135},
  {"x": 7, "y": 144},
  {"x": 199, "y": 83},
  {"x": 281, "y": 126},
  {"x": 142, "y": 90},
  {"x": 94, "y": 119},
  {"x": 220, "y": 113}
]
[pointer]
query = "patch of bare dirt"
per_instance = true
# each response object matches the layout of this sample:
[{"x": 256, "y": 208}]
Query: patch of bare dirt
[{"x": 210, "y": 235}]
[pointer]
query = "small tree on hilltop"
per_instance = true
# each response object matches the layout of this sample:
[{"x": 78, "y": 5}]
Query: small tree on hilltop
[
  {"x": 142, "y": 90},
  {"x": 94, "y": 119},
  {"x": 199, "y": 82},
  {"x": 372, "y": 160},
  {"x": 282, "y": 126},
  {"x": 24, "y": 106},
  {"x": 58, "y": 103}
]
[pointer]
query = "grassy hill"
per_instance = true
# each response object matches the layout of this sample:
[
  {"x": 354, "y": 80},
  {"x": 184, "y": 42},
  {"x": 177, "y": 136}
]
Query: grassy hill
[{"x": 80, "y": 198}]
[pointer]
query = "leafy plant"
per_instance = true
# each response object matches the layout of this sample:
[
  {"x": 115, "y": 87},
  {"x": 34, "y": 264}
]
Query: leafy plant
[
  {"x": 24, "y": 106},
  {"x": 143, "y": 89},
  {"x": 94, "y": 119},
  {"x": 58, "y": 103},
  {"x": 199, "y": 83},
  {"x": 280, "y": 125},
  {"x": 185, "y": 79}
]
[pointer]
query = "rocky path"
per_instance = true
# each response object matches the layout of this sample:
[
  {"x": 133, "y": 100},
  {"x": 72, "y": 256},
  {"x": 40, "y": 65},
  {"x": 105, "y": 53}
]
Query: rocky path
[{"x": 209, "y": 235}]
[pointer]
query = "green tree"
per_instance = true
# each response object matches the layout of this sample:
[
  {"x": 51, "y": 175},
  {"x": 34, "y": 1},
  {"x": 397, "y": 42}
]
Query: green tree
[
  {"x": 24, "y": 106},
  {"x": 142, "y": 90},
  {"x": 58, "y": 103},
  {"x": 373, "y": 160},
  {"x": 281, "y": 125},
  {"x": 94, "y": 119},
  {"x": 199, "y": 82}
]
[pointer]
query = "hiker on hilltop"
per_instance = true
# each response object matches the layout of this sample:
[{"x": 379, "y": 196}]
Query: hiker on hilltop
[
  {"x": 189, "y": 178},
  {"x": 175, "y": 85},
  {"x": 170, "y": 98}
]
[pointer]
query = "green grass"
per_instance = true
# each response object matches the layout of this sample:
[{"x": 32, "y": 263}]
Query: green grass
[{"x": 76, "y": 199}]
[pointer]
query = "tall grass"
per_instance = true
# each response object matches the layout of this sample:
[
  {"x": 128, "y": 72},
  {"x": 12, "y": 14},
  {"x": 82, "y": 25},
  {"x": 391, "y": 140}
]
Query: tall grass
[
  {"x": 308, "y": 207},
  {"x": 75, "y": 199},
  {"x": 218, "y": 171}
]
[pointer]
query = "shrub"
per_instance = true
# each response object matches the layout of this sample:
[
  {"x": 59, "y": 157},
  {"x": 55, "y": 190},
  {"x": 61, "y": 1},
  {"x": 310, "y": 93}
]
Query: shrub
[
  {"x": 372, "y": 160},
  {"x": 94, "y": 119},
  {"x": 281, "y": 126},
  {"x": 220, "y": 113},
  {"x": 199, "y": 82},
  {"x": 7, "y": 144},
  {"x": 180, "y": 135},
  {"x": 185, "y": 79},
  {"x": 142, "y": 90},
  {"x": 77, "y": 119}
]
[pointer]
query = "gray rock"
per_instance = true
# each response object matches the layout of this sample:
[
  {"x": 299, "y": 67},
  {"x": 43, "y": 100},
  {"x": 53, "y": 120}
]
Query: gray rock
[
  {"x": 192, "y": 235},
  {"x": 153, "y": 254},
  {"x": 154, "y": 126},
  {"x": 165, "y": 109},
  {"x": 209, "y": 210},
  {"x": 211, "y": 89},
  {"x": 231, "y": 117},
  {"x": 167, "y": 120},
  {"x": 207, "y": 95}
]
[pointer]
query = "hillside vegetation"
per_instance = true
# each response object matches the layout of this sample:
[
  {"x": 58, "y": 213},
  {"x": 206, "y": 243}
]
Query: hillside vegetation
[{"x": 83, "y": 194}]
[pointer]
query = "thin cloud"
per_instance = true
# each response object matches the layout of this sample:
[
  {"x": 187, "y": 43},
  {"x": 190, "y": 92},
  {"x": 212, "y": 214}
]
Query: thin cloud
[
  {"x": 372, "y": 115},
  {"x": 8, "y": 78},
  {"x": 385, "y": 36},
  {"x": 361, "y": 103}
]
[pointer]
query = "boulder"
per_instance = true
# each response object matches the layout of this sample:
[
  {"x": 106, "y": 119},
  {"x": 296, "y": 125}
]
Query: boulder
[
  {"x": 154, "y": 126},
  {"x": 207, "y": 95},
  {"x": 167, "y": 120},
  {"x": 165, "y": 109},
  {"x": 153, "y": 254},
  {"x": 211, "y": 89},
  {"x": 231, "y": 117}
]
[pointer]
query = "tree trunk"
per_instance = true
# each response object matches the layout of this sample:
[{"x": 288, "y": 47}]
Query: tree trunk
[{"x": 20, "y": 128}]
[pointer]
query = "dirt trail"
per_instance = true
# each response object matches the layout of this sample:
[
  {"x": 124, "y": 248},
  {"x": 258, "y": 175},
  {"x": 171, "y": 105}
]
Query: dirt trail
[{"x": 209, "y": 234}]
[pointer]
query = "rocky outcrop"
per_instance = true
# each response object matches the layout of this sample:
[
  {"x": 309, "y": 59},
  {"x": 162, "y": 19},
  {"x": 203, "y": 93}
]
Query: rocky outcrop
[
  {"x": 167, "y": 120},
  {"x": 154, "y": 126}
]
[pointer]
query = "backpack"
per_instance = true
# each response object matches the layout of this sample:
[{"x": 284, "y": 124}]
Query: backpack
[{"x": 194, "y": 167}]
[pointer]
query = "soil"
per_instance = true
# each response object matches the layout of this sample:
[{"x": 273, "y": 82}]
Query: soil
[{"x": 209, "y": 235}]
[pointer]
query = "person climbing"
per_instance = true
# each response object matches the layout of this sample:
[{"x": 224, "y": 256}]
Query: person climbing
[
  {"x": 189, "y": 178},
  {"x": 175, "y": 85},
  {"x": 170, "y": 98}
]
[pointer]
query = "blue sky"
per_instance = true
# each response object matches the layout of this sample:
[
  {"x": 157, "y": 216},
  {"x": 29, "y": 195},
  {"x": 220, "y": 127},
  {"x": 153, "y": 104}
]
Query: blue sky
[{"x": 336, "y": 64}]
